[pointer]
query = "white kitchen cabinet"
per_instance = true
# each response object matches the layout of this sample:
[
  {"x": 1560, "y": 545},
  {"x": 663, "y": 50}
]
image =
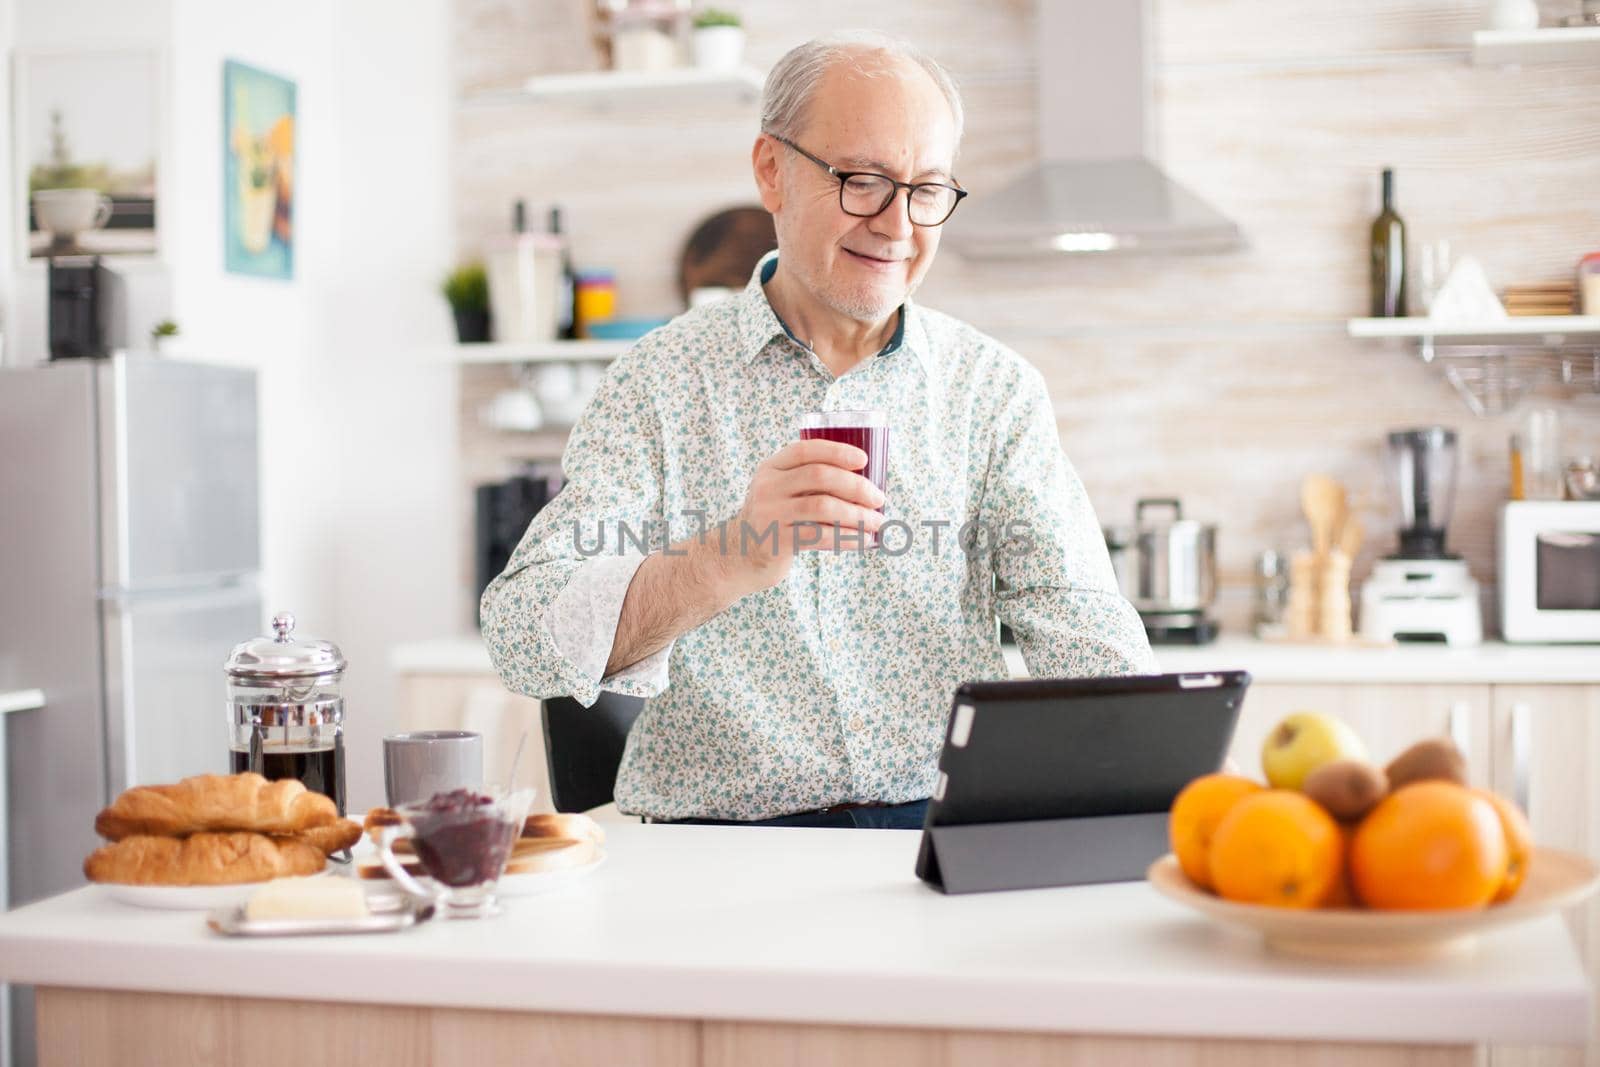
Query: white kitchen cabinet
[
  {"x": 1389, "y": 718},
  {"x": 1546, "y": 756}
]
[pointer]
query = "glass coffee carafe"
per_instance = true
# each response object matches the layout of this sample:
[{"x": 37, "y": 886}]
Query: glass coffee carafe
[{"x": 285, "y": 712}]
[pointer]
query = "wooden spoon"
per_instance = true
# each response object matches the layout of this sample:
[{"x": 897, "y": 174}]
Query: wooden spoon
[
  {"x": 1322, "y": 498},
  {"x": 1341, "y": 517},
  {"x": 1350, "y": 537}
]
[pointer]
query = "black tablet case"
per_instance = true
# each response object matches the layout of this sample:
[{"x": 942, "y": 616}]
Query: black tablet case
[{"x": 1068, "y": 782}]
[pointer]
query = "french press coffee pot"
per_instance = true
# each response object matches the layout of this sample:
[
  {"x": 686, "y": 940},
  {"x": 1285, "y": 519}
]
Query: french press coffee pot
[{"x": 285, "y": 711}]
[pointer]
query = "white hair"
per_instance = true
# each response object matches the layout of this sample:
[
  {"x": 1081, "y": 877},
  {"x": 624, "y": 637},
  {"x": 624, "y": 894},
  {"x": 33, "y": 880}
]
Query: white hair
[{"x": 793, "y": 80}]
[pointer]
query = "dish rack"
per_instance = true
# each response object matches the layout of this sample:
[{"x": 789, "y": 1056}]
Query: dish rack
[
  {"x": 1493, "y": 379},
  {"x": 1492, "y": 366}
]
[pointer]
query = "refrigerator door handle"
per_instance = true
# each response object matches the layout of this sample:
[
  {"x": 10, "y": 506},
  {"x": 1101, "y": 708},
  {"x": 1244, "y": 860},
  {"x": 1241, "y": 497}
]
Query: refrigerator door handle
[{"x": 21, "y": 700}]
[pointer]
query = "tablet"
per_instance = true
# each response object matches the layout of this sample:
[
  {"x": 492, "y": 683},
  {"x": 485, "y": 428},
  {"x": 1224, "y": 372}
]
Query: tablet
[{"x": 1099, "y": 759}]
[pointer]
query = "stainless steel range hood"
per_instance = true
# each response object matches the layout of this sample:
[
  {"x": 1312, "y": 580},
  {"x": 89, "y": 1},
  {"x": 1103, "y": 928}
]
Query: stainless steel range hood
[{"x": 1095, "y": 188}]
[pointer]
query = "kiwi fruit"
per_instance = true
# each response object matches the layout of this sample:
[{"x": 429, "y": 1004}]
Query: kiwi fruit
[
  {"x": 1347, "y": 788},
  {"x": 1433, "y": 758}
]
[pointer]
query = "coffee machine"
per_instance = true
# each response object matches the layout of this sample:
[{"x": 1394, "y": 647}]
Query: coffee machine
[
  {"x": 1422, "y": 592},
  {"x": 88, "y": 308},
  {"x": 502, "y": 513}
]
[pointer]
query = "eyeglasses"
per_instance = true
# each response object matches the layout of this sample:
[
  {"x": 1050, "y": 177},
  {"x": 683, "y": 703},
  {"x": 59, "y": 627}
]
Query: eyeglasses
[{"x": 866, "y": 194}]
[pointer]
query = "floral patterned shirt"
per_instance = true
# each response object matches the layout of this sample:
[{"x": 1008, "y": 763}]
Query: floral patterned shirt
[{"x": 835, "y": 685}]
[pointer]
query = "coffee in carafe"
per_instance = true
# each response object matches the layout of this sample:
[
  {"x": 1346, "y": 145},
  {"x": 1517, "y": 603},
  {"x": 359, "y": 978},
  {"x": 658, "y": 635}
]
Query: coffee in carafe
[{"x": 285, "y": 711}]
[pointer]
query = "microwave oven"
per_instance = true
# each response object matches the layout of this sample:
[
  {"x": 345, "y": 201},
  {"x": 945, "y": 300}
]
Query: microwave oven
[{"x": 1550, "y": 571}]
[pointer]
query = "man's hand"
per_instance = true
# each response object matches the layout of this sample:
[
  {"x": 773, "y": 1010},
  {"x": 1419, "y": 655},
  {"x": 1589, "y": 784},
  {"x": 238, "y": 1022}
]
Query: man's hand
[{"x": 806, "y": 495}]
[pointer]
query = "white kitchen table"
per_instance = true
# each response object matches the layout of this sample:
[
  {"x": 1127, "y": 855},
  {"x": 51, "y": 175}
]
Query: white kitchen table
[{"x": 714, "y": 945}]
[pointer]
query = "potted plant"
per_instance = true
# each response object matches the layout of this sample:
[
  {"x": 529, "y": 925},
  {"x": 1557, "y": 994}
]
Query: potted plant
[
  {"x": 718, "y": 40},
  {"x": 161, "y": 332},
  {"x": 467, "y": 290}
]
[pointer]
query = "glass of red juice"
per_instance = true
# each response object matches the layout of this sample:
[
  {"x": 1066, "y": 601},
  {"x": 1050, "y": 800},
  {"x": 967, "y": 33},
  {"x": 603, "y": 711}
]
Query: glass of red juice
[{"x": 866, "y": 430}]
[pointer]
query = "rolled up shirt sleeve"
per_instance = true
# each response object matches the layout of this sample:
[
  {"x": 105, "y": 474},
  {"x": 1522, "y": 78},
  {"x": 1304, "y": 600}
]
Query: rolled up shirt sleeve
[
  {"x": 550, "y": 619},
  {"x": 1053, "y": 580}
]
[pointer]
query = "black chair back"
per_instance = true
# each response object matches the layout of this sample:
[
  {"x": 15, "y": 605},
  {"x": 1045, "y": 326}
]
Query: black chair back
[{"x": 583, "y": 747}]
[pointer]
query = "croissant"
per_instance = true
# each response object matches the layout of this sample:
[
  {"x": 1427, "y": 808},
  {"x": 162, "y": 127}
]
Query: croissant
[
  {"x": 214, "y": 803},
  {"x": 329, "y": 839},
  {"x": 202, "y": 859}
]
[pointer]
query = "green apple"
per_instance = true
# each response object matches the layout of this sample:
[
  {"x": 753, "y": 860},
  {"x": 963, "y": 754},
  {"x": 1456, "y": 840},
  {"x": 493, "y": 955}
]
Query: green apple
[{"x": 1304, "y": 741}]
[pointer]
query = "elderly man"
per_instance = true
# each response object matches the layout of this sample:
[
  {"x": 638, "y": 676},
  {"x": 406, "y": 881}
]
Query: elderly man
[{"x": 799, "y": 664}]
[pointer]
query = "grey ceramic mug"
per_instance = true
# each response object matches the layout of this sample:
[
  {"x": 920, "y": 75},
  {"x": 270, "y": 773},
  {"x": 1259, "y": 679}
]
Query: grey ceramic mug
[{"x": 418, "y": 765}]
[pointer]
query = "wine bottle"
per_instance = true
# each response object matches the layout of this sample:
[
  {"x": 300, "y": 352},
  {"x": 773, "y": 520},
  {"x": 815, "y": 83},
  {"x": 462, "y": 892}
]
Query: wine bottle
[
  {"x": 1388, "y": 256},
  {"x": 567, "y": 287}
]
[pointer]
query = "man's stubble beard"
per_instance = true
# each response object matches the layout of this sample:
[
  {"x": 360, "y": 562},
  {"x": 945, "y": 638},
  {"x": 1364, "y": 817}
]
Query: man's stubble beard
[{"x": 858, "y": 308}]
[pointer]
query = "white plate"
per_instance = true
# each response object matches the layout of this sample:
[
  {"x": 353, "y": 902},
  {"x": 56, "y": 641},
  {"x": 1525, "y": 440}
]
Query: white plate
[
  {"x": 184, "y": 897},
  {"x": 511, "y": 885},
  {"x": 535, "y": 882}
]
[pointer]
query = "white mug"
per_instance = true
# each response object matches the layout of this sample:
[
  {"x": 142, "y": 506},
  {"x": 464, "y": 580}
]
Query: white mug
[
  {"x": 65, "y": 212},
  {"x": 557, "y": 387},
  {"x": 513, "y": 410}
]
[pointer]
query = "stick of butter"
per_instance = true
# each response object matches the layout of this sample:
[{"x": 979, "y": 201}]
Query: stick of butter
[{"x": 308, "y": 898}]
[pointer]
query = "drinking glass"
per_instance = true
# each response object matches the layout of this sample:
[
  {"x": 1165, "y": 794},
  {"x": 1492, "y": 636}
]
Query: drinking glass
[
  {"x": 866, "y": 430},
  {"x": 1541, "y": 455}
]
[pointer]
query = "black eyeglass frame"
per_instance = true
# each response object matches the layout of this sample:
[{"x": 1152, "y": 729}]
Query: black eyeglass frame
[{"x": 842, "y": 176}]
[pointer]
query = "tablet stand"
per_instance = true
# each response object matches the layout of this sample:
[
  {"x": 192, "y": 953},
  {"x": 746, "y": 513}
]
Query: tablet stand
[{"x": 1042, "y": 852}]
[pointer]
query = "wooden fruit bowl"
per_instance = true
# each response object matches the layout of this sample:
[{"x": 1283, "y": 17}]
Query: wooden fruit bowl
[{"x": 1556, "y": 879}]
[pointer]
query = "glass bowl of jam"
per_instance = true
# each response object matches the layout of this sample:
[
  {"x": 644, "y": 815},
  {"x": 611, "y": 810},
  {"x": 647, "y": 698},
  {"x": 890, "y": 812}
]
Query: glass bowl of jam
[{"x": 462, "y": 839}]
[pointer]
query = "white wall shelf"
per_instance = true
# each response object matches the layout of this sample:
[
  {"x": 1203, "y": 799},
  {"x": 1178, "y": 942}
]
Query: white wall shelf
[
  {"x": 605, "y": 87},
  {"x": 1554, "y": 328},
  {"x": 1567, "y": 335},
  {"x": 1550, "y": 45},
  {"x": 539, "y": 352},
  {"x": 1493, "y": 365}
]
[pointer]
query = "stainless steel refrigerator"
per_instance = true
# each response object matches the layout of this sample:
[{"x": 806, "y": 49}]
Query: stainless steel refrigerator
[{"x": 129, "y": 552}]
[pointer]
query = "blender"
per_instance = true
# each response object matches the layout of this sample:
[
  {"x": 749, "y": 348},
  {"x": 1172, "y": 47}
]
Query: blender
[{"x": 1422, "y": 592}]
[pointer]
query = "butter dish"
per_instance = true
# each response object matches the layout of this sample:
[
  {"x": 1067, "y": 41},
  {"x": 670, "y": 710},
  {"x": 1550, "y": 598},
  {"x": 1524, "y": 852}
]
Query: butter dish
[{"x": 387, "y": 914}]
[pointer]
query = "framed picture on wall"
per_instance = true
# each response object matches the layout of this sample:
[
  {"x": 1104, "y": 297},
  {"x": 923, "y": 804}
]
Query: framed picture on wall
[
  {"x": 258, "y": 148},
  {"x": 86, "y": 150}
]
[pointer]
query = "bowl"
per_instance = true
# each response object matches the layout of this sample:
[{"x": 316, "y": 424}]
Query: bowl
[
  {"x": 622, "y": 329},
  {"x": 462, "y": 840},
  {"x": 1556, "y": 879}
]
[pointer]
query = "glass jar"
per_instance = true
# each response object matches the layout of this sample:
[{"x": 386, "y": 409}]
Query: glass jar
[
  {"x": 1270, "y": 603},
  {"x": 1589, "y": 284},
  {"x": 285, "y": 710}
]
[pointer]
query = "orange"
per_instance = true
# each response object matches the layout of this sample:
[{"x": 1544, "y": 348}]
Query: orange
[
  {"x": 1428, "y": 845},
  {"x": 1341, "y": 894},
  {"x": 1194, "y": 818},
  {"x": 1277, "y": 847},
  {"x": 1519, "y": 844}
]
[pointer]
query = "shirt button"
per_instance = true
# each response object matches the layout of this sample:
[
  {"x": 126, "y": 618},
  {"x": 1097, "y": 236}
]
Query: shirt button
[{"x": 857, "y": 725}]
